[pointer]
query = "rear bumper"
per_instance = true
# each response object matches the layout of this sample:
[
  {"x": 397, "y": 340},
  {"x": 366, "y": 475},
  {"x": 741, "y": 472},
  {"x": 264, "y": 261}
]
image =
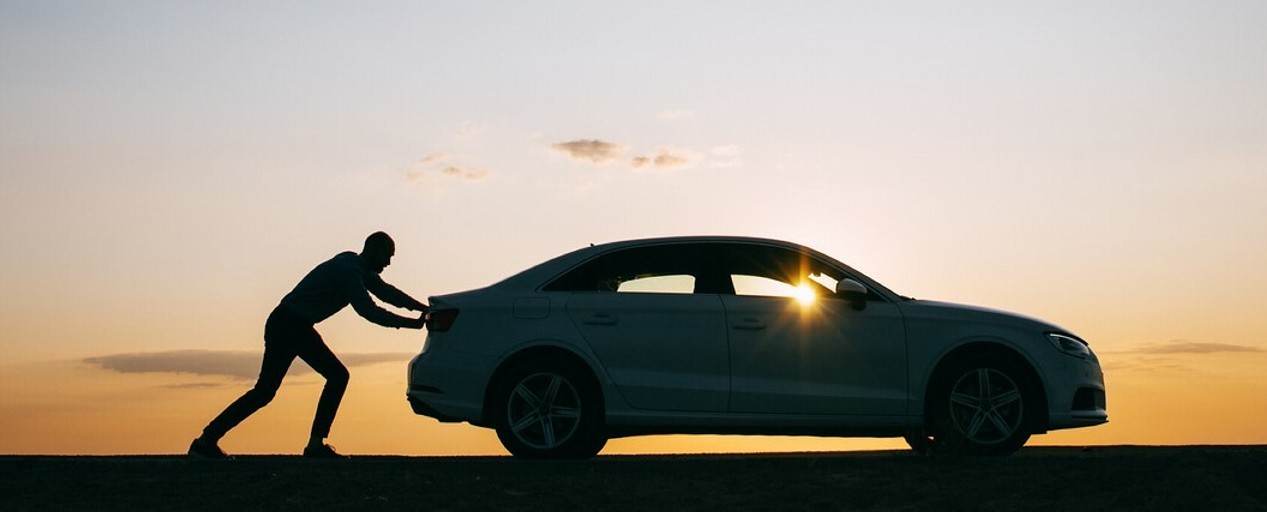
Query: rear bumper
[
  {"x": 451, "y": 392},
  {"x": 422, "y": 409}
]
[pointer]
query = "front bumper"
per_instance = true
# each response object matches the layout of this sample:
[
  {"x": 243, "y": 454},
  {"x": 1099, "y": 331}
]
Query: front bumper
[{"x": 1077, "y": 396}]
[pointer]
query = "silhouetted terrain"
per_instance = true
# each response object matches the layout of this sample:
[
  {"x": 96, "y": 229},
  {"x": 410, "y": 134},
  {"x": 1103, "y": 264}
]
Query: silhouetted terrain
[{"x": 1101, "y": 478}]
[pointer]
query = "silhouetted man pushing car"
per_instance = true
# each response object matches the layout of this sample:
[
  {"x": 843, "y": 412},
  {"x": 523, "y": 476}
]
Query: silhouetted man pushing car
[{"x": 347, "y": 278}]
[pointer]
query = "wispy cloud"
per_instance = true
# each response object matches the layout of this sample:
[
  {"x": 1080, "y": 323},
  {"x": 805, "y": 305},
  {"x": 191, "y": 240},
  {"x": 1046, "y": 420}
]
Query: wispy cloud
[
  {"x": 1172, "y": 355},
  {"x": 450, "y": 164},
  {"x": 434, "y": 158},
  {"x": 592, "y": 150},
  {"x": 464, "y": 173},
  {"x": 466, "y": 132},
  {"x": 1142, "y": 364},
  {"x": 665, "y": 159},
  {"x": 601, "y": 152},
  {"x": 448, "y": 171},
  {"x": 724, "y": 156},
  {"x": 222, "y": 363},
  {"x": 443, "y": 165},
  {"x": 196, "y": 385},
  {"x": 1193, "y": 347}
]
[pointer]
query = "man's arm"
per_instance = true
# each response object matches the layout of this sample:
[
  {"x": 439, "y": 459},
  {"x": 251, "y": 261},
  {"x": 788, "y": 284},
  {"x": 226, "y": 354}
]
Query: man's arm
[
  {"x": 392, "y": 295},
  {"x": 360, "y": 300}
]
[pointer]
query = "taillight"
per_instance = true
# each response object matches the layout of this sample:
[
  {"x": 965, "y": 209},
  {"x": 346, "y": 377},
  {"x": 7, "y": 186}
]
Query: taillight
[{"x": 440, "y": 320}]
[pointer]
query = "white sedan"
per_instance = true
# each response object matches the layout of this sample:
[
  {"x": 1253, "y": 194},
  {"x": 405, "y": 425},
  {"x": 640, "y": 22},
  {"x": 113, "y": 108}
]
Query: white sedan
[{"x": 740, "y": 335}]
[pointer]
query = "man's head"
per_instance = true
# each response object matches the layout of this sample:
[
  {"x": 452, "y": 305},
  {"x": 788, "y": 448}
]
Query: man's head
[{"x": 378, "y": 251}]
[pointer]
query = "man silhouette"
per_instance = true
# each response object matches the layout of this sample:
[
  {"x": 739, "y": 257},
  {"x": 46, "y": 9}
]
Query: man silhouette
[{"x": 348, "y": 278}]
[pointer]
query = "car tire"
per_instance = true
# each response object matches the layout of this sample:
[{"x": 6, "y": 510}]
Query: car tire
[
  {"x": 549, "y": 409},
  {"x": 978, "y": 406}
]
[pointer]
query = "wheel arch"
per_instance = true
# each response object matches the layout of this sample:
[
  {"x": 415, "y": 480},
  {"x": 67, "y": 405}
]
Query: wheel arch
[
  {"x": 991, "y": 348},
  {"x": 550, "y": 352}
]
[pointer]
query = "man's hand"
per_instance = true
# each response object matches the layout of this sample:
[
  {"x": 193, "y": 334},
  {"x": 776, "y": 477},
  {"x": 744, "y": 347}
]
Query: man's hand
[{"x": 419, "y": 322}]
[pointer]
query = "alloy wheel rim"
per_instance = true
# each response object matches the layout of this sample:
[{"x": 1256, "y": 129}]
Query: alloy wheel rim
[
  {"x": 986, "y": 406},
  {"x": 544, "y": 410}
]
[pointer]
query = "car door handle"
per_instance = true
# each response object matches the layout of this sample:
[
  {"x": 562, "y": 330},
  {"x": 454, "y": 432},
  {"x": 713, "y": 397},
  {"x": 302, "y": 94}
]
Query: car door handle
[
  {"x": 599, "y": 319},
  {"x": 749, "y": 324}
]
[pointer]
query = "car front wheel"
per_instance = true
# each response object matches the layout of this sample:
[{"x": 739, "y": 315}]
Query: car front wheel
[
  {"x": 982, "y": 406},
  {"x": 546, "y": 410}
]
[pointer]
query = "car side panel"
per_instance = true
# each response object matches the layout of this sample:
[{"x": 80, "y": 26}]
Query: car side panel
[
  {"x": 818, "y": 358},
  {"x": 662, "y": 351}
]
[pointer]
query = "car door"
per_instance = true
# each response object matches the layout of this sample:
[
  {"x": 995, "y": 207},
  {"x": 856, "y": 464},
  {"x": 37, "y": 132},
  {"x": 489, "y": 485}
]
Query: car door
[
  {"x": 795, "y": 348},
  {"x": 663, "y": 345}
]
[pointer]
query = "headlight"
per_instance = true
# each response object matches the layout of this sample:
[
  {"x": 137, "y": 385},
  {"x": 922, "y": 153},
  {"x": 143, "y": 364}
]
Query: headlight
[{"x": 1070, "y": 345}]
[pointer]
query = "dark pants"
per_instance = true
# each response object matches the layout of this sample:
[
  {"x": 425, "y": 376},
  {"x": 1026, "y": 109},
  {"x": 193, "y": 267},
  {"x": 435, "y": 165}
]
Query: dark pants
[{"x": 287, "y": 337}]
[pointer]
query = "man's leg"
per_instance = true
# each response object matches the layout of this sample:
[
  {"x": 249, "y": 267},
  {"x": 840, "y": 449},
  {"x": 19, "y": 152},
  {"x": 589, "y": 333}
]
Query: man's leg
[
  {"x": 277, "y": 358},
  {"x": 320, "y": 358},
  {"x": 280, "y": 340}
]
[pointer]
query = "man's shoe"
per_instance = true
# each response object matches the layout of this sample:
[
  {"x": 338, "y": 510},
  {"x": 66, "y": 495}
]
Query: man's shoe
[
  {"x": 203, "y": 449},
  {"x": 324, "y": 451}
]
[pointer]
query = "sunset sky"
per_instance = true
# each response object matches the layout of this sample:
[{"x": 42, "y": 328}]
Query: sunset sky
[{"x": 169, "y": 170}]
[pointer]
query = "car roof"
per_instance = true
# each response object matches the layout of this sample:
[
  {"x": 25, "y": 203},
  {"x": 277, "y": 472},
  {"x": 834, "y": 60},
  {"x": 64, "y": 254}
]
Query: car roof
[
  {"x": 642, "y": 242},
  {"x": 537, "y": 275}
]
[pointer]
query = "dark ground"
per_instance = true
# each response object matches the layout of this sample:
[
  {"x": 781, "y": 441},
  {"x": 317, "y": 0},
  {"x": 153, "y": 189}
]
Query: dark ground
[{"x": 1096, "y": 479}]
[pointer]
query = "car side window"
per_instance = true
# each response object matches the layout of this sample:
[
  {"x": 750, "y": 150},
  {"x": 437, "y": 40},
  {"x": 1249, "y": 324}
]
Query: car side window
[
  {"x": 760, "y": 286},
  {"x": 670, "y": 268},
  {"x": 756, "y": 270},
  {"x": 676, "y": 283}
]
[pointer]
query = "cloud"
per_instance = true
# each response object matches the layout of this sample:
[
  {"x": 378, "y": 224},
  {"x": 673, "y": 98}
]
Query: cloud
[
  {"x": 1142, "y": 364},
  {"x": 593, "y": 150},
  {"x": 196, "y": 385},
  {"x": 724, "y": 156},
  {"x": 464, "y": 173},
  {"x": 1173, "y": 355},
  {"x": 243, "y": 365},
  {"x": 466, "y": 132},
  {"x": 1193, "y": 347},
  {"x": 450, "y": 171},
  {"x": 434, "y": 158},
  {"x": 448, "y": 162},
  {"x": 438, "y": 165},
  {"x": 665, "y": 159}
]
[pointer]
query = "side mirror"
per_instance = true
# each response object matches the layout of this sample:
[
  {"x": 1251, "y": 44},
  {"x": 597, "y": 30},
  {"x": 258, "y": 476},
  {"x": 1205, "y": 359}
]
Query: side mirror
[{"x": 852, "y": 291}]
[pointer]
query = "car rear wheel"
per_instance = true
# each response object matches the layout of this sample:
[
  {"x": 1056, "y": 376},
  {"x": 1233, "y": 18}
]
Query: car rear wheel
[
  {"x": 549, "y": 410},
  {"x": 981, "y": 406}
]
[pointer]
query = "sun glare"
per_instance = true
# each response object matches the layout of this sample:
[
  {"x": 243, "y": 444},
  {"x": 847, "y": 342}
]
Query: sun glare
[{"x": 804, "y": 294}]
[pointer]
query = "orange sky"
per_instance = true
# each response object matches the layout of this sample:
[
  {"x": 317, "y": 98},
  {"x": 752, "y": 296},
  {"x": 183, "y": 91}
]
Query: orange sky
[
  {"x": 1153, "y": 400},
  {"x": 168, "y": 172}
]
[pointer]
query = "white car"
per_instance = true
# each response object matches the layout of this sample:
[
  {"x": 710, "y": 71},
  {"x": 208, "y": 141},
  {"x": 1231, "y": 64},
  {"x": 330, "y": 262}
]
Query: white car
[{"x": 740, "y": 335}]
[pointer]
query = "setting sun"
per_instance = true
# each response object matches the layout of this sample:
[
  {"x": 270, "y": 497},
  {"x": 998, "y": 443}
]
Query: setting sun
[{"x": 804, "y": 294}]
